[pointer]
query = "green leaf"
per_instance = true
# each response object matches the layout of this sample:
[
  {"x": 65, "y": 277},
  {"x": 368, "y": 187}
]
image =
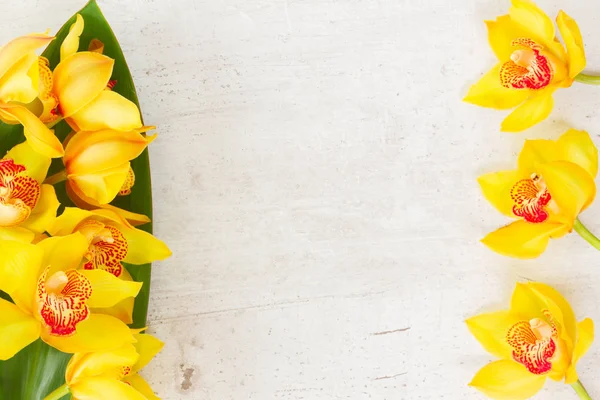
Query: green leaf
[{"x": 39, "y": 369}]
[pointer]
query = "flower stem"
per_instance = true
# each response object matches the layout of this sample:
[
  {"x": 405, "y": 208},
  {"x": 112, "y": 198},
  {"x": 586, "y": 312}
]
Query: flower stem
[
  {"x": 57, "y": 177},
  {"x": 580, "y": 390},
  {"x": 586, "y": 234},
  {"x": 64, "y": 390},
  {"x": 588, "y": 79}
]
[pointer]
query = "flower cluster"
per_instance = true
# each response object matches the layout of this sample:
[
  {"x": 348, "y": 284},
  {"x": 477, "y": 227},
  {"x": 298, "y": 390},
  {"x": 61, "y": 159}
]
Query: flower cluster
[
  {"x": 63, "y": 269},
  {"x": 553, "y": 182}
]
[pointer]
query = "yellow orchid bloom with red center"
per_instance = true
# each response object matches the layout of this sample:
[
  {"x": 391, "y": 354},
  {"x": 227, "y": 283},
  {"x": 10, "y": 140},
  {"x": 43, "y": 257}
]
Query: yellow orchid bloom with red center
[
  {"x": 553, "y": 183},
  {"x": 113, "y": 374},
  {"x": 532, "y": 64},
  {"x": 27, "y": 206},
  {"x": 82, "y": 89},
  {"x": 19, "y": 81},
  {"x": 537, "y": 338},
  {"x": 111, "y": 239},
  {"x": 52, "y": 298},
  {"x": 98, "y": 163}
]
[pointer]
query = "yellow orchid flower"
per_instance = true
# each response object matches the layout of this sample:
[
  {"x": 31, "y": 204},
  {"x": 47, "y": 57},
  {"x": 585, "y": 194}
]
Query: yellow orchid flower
[
  {"x": 112, "y": 240},
  {"x": 82, "y": 88},
  {"x": 19, "y": 81},
  {"x": 537, "y": 338},
  {"x": 27, "y": 207},
  {"x": 52, "y": 298},
  {"x": 111, "y": 374},
  {"x": 97, "y": 163},
  {"x": 532, "y": 64},
  {"x": 553, "y": 183}
]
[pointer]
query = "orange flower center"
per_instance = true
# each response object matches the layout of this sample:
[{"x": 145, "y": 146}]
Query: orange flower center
[
  {"x": 19, "y": 194},
  {"x": 108, "y": 247},
  {"x": 528, "y": 68},
  {"x": 530, "y": 197},
  {"x": 62, "y": 300},
  {"x": 535, "y": 344}
]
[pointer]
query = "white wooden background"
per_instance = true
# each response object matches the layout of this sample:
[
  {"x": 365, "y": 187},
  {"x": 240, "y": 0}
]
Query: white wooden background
[{"x": 315, "y": 179}]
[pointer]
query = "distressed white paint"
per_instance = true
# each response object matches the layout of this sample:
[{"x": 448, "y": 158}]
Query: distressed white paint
[{"x": 315, "y": 178}]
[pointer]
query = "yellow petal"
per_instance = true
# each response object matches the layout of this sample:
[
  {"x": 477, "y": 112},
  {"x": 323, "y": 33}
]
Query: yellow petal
[
  {"x": 501, "y": 34},
  {"x": 20, "y": 265},
  {"x": 84, "y": 365},
  {"x": 17, "y": 329},
  {"x": 14, "y": 50},
  {"x": 143, "y": 247},
  {"x": 37, "y": 164},
  {"x": 539, "y": 26},
  {"x": 107, "y": 289},
  {"x": 488, "y": 92},
  {"x": 551, "y": 295},
  {"x": 79, "y": 79},
  {"x": 98, "y": 388},
  {"x": 569, "y": 30},
  {"x": 20, "y": 82},
  {"x": 537, "y": 152},
  {"x": 87, "y": 203},
  {"x": 63, "y": 253},
  {"x": 534, "y": 110},
  {"x": 90, "y": 152},
  {"x": 97, "y": 333},
  {"x": 70, "y": 45},
  {"x": 37, "y": 134},
  {"x": 496, "y": 188},
  {"x": 44, "y": 213},
  {"x": 140, "y": 384},
  {"x": 571, "y": 186},
  {"x": 101, "y": 186},
  {"x": 109, "y": 110},
  {"x": 66, "y": 222},
  {"x": 522, "y": 239},
  {"x": 147, "y": 347},
  {"x": 123, "y": 310},
  {"x": 490, "y": 330},
  {"x": 585, "y": 337},
  {"x": 17, "y": 233},
  {"x": 577, "y": 147},
  {"x": 525, "y": 304},
  {"x": 507, "y": 380}
]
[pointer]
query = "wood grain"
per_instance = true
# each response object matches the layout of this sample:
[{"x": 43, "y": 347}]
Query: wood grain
[{"x": 315, "y": 179}]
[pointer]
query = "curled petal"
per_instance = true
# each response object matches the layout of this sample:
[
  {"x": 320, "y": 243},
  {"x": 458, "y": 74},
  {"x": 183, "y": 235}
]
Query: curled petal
[
  {"x": 571, "y": 186},
  {"x": 17, "y": 329},
  {"x": 489, "y": 92},
  {"x": 97, "y": 333},
  {"x": 571, "y": 35},
  {"x": 108, "y": 290},
  {"x": 79, "y": 79},
  {"x": 490, "y": 330},
  {"x": 522, "y": 239},
  {"x": 577, "y": 147},
  {"x": 109, "y": 110},
  {"x": 37, "y": 134},
  {"x": 104, "y": 388},
  {"x": 70, "y": 45},
  {"x": 506, "y": 379},
  {"x": 534, "y": 110}
]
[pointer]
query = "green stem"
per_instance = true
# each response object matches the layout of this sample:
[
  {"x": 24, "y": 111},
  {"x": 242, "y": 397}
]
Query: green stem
[
  {"x": 64, "y": 390},
  {"x": 586, "y": 234},
  {"x": 588, "y": 79},
  {"x": 57, "y": 177},
  {"x": 580, "y": 390}
]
